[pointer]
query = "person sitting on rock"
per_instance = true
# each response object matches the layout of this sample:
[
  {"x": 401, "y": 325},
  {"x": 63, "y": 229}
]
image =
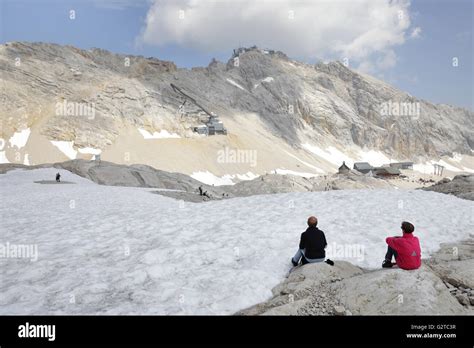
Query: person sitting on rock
[
  {"x": 405, "y": 249},
  {"x": 312, "y": 245},
  {"x": 58, "y": 177}
]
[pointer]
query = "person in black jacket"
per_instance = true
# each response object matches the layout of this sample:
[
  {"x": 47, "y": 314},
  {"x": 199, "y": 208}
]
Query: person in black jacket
[{"x": 312, "y": 244}]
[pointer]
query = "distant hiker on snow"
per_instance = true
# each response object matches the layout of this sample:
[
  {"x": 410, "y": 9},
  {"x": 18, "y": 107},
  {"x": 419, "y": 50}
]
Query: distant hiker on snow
[
  {"x": 200, "y": 190},
  {"x": 312, "y": 245},
  {"x": 405, "y": 249},
  {"x": 58, "y": 177}
]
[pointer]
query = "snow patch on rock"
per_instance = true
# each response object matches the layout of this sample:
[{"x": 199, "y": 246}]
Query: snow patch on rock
[
  {"x": 90, "y": 150},
  {"x": 66, "y": 147},
  {"x": 232, "y": 82},
  {"x": 247, "y": 176},
  {"x": 428, "y": 167},
  {"x": 229, "y": 179},
  {"x": 283, "y": 171},
  {"x": 210, "y": 179},
  {"x": 336, "y": 157},
  {"x": 330, "y": 154},
  {"x": 375, "y": 158},
  {"x": 19, "y": 139},
  {"x": 162, "y": 134},
  {"x": 266, "y": 79},
  {"x": 3, "y": 157}
]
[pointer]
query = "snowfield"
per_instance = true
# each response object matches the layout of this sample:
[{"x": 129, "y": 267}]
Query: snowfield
[{"x": 119, "y": 250}]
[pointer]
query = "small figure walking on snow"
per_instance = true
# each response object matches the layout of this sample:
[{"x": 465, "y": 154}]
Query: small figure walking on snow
[{"x": 58, "y": 177}]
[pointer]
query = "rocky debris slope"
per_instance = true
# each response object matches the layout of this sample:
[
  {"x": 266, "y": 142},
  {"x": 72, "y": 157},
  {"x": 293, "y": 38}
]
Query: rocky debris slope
[
  {"x": 442, "y": 285},
  {"x": 323, "y": 104},
  {"x": 461, "y": 186}
]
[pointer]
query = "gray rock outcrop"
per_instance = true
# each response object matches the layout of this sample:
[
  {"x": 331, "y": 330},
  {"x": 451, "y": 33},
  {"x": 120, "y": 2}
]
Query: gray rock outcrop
[
  {"x": 184, "y": 187},
  {"x": 461, "y": 186}
]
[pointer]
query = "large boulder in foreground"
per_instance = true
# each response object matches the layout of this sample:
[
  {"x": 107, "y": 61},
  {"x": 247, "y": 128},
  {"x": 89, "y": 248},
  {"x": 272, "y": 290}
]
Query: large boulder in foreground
[
  {"x": 442, "y": 285},
  {"x": 304, "y": 287},
  {"x": 305, "y": 277},
  {"x": 399, "y": 292}
]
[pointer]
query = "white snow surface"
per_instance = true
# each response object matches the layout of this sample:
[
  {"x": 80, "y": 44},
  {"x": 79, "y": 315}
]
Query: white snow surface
[
  {"x": 336, "y": 157},
  {"x": 3, "y": 157},
  {"x": 90, "y": 150},
  {"x": 162, "y": 134},
  {"x": 428, "y": 167},
  {"x": 123, "y": 250},
  {"x": 246, "y": 176},
  {"x": 209, "y": 178},
  {"x": 330, "y": 154},
  {"x": 266, "y": 79},
  {"x": 19, "y": 139},
  {"x": 232, "y": 82},
  {"x": 66, "y": 147},
  {"x": 283, "y": 171},
  {"x": 375, "y": 158}
]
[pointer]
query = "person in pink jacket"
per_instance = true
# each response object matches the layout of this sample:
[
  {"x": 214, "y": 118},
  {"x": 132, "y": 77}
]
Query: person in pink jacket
[{"x": 406, "y": 249}]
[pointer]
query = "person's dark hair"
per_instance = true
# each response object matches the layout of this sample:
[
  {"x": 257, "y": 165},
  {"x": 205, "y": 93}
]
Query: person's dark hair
[
  {"x": 312, "y": 221},
  {"x": 407, "y": 227}
]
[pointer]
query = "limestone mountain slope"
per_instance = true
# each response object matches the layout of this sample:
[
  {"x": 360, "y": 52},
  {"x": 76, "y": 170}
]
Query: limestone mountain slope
[{"x": 61, "y": 102}]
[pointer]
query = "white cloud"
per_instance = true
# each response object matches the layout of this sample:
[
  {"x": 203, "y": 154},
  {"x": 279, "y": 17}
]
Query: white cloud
[
  {"x": 334, "y": 29},
  {"x": 381, "y": 61},
  {"x": 388, "y": 60},
  {"x": 415, "y": 33}
]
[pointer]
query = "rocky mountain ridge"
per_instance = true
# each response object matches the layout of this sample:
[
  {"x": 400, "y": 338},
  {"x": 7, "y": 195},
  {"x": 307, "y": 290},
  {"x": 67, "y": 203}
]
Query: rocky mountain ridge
[{"x": 264, "y": 98}]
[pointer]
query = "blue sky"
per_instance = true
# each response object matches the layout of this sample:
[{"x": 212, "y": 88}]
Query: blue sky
[{"x": 423, "y": 64}]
